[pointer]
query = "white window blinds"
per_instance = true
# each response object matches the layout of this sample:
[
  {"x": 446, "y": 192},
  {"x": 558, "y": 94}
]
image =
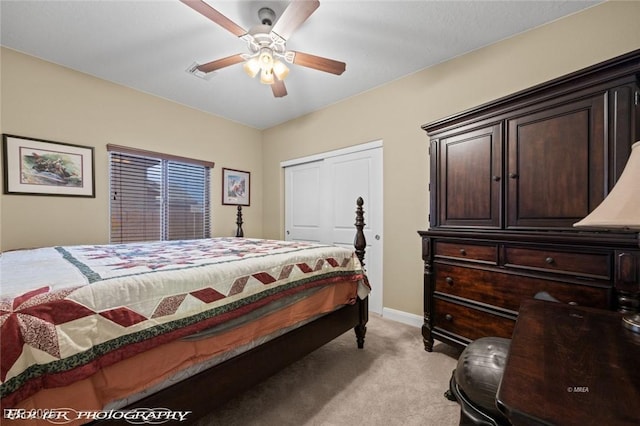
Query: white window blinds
[{"x": 157, "y": 197}]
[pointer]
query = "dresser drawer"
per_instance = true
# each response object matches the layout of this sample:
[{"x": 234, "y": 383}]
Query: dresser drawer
[
  {"x": 469, "y": 322},
  {"x": 592, "y": 265},
  {"x": 508, "y": 290},
  {"x": 467, "y": 251}
]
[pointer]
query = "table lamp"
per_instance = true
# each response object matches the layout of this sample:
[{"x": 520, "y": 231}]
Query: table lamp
[{"x": 621, "y": 210}]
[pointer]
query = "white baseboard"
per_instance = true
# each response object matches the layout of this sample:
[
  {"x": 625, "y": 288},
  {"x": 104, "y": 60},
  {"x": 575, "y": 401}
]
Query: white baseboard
[{"x": 403, "y": 317}]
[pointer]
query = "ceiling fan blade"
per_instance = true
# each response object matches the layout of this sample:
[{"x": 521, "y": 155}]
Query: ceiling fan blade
[
  {"x": 278, "y": 88},
  {"x": 217, "y": 17},
  {"x": 319, "y": 63},
  {"x": 293, "y": 16},
  {"x": 220, "y": 63}
]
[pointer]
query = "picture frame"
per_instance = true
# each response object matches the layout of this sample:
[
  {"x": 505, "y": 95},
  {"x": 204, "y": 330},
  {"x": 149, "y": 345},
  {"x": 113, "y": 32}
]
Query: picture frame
[
  {"x": 42, "y": 167},
  {"x": 236, "y": 187}
]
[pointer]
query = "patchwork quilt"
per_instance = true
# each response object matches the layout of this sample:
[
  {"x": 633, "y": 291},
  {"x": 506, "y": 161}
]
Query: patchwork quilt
[{"x": 67, "y": 311}]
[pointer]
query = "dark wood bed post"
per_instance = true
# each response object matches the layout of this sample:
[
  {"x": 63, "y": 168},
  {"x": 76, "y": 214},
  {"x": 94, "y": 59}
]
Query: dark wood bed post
[
  {"x": 360, "y": 244},
  {"x": 239, "y": 231}
]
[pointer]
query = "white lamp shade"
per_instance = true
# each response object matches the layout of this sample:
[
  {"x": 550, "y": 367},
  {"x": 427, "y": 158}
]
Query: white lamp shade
[
  {"x": 266, "y": 77},
  {"x": 266, "y": 58},
  {"x": 252, "y": 67},
  {"x": 280, "y": 70},
  {"x": 621, "y": 208}
]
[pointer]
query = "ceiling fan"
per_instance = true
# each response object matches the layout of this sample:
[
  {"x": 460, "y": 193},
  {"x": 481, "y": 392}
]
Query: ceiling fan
[{"x": 267, "y": 44}]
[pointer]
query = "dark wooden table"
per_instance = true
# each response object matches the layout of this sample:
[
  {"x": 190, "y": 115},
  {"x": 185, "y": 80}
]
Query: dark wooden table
[{"x": 571, "y": 365}]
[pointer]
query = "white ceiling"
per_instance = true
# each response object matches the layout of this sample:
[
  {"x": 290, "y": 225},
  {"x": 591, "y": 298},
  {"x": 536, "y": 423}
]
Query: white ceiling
[{"x": 149, "y": 44}]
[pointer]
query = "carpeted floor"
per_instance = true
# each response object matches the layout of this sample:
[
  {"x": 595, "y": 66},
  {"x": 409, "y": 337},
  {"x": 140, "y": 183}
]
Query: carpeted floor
[{"x": 392, "y": 381}]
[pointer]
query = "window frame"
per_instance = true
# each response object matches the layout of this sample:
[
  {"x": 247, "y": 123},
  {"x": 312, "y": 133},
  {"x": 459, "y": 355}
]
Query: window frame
[{"x": 166, "y": 162}]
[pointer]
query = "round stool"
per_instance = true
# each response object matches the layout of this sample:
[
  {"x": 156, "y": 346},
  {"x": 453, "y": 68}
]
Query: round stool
[{"x": 476, "y": 379}]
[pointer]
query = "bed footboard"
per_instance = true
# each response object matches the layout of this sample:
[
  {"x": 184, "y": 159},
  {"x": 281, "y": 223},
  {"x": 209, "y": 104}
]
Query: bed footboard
[{"x": 201, "y": 393}]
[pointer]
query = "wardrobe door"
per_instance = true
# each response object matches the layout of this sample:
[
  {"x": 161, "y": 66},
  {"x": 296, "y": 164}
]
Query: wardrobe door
[
  {"x": 469, "y": 168},
  {"x": 556, "y": 164},
  {"x": 624, "y": 126}
]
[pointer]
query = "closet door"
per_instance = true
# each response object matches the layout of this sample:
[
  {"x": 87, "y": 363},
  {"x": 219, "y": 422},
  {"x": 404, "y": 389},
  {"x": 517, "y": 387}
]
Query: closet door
[
  {"x": 556, "y": 164},
  {"x": 305, "y": 209},
  {"x": 351, "y": 176},
  {"x": 320, "y": 205}
]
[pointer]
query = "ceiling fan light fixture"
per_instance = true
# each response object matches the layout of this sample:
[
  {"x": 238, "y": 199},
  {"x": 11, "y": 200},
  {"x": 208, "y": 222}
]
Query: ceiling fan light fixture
[
  {"x": 266, "y": 76},
  {"x": 266, "y": 58},
  {"x": 252, "y": 67},
  {"x": 280, "y": 70},
  {"x": 266, "y": 43}
]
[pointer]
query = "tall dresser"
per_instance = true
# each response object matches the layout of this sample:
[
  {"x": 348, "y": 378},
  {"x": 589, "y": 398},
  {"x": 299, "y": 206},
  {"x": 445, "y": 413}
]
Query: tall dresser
[{"x": 508, "y": 180}]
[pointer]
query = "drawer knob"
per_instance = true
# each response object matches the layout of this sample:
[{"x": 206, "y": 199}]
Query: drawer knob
[
  {"x": 549, "y": 260},
  {"x": 449, "y": 280},
  {"x": 463, "y": 252},
  {"x": 448, "y": 317},
  {"x": 496, "y": 178}
]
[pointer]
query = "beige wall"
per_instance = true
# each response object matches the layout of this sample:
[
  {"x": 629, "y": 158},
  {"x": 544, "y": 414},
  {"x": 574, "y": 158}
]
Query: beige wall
[
  {"x": 395, "y": 112},
  {"x": 46, "y": 101}
]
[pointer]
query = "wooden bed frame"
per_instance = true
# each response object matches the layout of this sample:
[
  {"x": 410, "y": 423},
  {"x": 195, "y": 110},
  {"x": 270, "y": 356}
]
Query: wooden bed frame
[{"x": 201, "y": 393}]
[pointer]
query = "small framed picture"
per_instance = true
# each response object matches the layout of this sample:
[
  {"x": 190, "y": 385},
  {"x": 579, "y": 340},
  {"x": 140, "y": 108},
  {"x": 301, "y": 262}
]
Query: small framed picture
[
  {"x": 236, "y": 187},
  {"x": 41, "y": 167}
]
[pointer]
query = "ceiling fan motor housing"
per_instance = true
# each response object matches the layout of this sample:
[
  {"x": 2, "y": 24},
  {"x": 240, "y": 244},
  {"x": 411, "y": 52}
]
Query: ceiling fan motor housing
[
  {"x": 261, "y": 35},
  {"x": 267, "y": 16}
]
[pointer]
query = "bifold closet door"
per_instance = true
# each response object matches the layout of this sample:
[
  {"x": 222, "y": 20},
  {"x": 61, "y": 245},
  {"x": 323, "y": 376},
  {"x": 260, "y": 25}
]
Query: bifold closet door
[{"x": 320, "y": 203}]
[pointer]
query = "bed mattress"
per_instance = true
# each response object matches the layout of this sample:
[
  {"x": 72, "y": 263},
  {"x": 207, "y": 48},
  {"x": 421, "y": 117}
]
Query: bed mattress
[{"x": 68, "y": 313}]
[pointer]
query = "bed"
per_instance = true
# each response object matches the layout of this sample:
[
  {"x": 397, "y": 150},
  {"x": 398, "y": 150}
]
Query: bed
[{"x": 105, "y": 333}]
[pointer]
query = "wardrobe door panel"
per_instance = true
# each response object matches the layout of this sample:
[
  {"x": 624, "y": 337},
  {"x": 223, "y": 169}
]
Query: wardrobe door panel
[
  {"x": 556, "y": 164},
  {"x": 624, "y": 123},
  {"x": 470, "y": 173}
]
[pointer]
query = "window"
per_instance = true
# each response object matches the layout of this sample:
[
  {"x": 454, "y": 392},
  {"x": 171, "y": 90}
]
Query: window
[{"x": 157, "y": 197}]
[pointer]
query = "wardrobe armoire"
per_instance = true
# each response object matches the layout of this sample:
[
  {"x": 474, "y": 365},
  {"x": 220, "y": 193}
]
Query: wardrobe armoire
[{"x": 508, "y": 180}]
